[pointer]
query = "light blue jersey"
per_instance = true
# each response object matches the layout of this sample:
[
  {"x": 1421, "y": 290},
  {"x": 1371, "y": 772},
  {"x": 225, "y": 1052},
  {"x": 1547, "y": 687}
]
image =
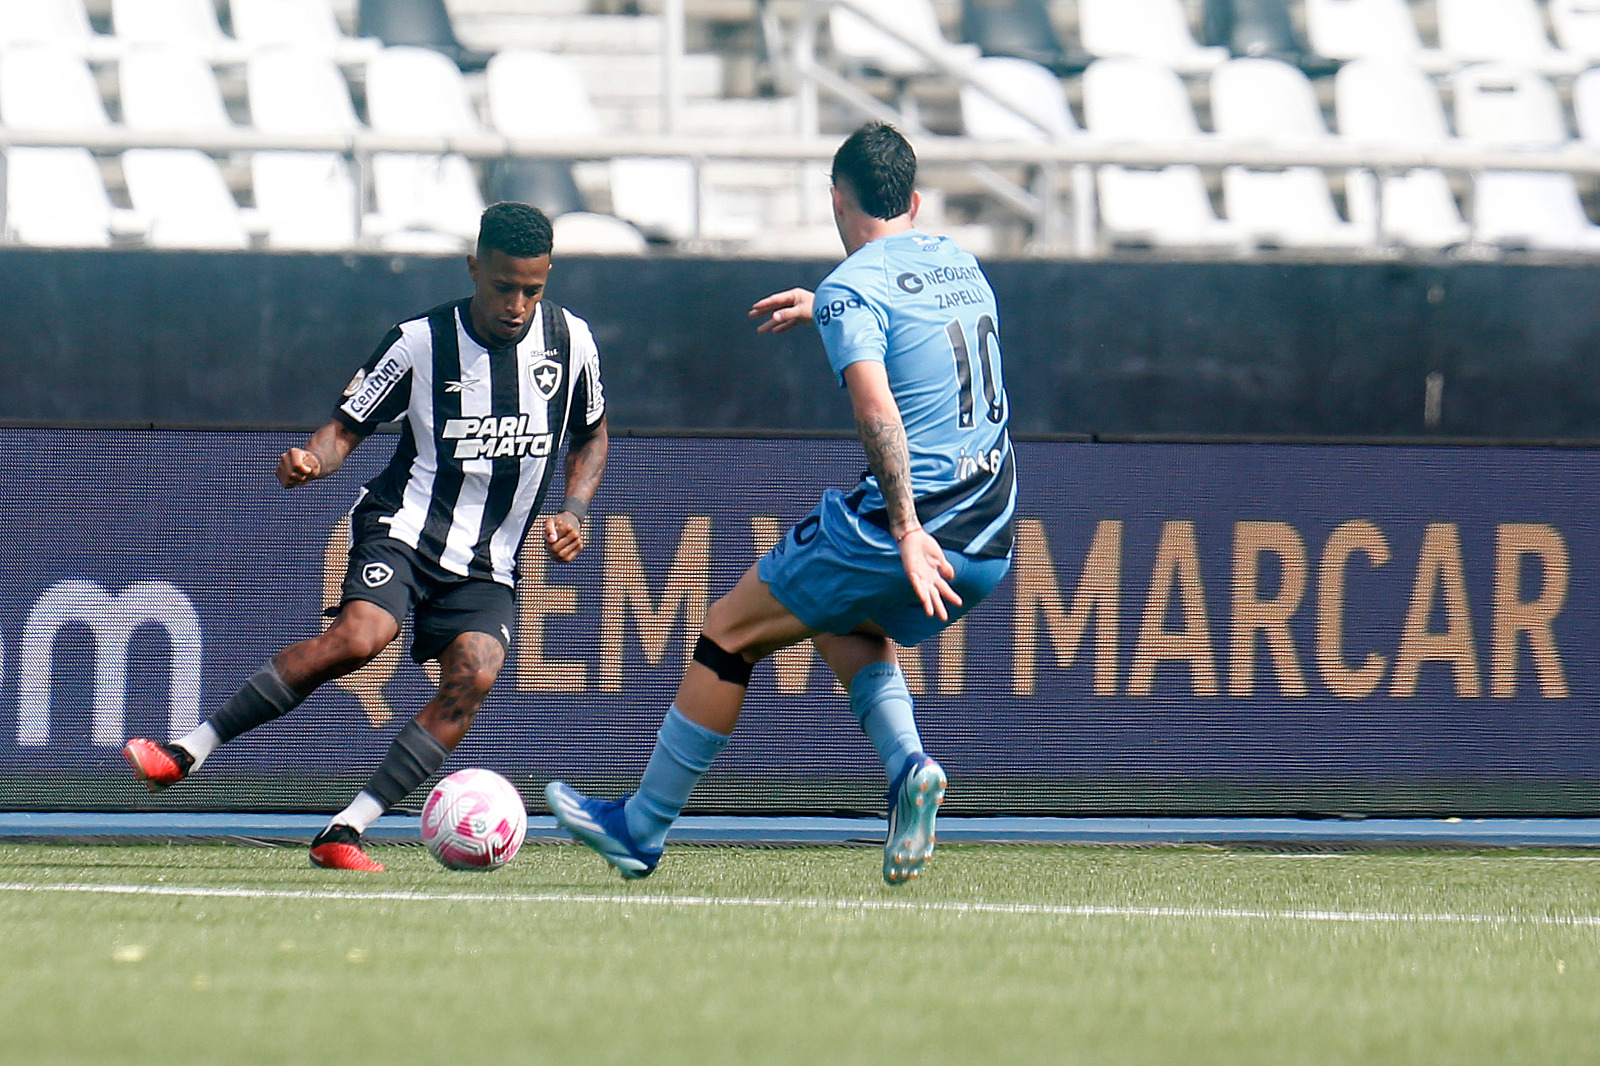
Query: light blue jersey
[{"x": 921, "y": 306}]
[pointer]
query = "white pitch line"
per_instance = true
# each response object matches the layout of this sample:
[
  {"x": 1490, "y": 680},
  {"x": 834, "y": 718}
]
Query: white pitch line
[{"x": 929, "y": 906}]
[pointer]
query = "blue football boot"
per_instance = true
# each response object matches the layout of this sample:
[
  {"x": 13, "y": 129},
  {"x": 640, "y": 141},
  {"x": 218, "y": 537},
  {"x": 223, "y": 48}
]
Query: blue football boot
[
  {"x": 602, "y": 825},
  {"x": 914, "y": 800}
]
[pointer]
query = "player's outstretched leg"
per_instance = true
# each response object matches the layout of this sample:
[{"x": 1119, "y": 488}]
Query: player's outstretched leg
[
  {"x": 631, "y": 832},
  {"x": 603, "y": 825},
  {"x": 913, "y": 800},
  {"x": 263, "y": 698}
]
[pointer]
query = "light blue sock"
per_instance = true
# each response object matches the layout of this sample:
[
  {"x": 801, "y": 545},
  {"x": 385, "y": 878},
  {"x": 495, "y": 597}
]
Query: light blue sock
[
  {"x": 882, "y": 704},
  {"x": 684, "y": 752}
]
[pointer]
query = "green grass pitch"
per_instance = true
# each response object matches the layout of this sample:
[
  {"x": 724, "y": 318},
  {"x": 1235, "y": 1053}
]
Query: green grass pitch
[{"x": 235, "y": 955}]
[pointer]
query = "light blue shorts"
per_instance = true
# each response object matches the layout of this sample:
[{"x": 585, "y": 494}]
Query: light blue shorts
[{"x": 835, "y": 571}]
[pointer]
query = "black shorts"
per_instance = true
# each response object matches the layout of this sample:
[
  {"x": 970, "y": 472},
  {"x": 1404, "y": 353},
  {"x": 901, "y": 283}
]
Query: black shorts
[{"x": 442, "y": 605}]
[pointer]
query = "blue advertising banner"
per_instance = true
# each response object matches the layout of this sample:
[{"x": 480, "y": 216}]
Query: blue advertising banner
[{"x": 1187, "y": 628}]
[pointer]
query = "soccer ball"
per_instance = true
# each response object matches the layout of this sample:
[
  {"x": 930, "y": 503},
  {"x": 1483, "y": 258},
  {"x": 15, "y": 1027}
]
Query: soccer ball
[{"x": 474, "y": 820}]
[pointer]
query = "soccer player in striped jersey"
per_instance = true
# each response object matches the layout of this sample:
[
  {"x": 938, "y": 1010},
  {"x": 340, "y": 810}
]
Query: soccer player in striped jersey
[
  {"x": 486, "y": 389},
  {"x": 909, "y": 324}
]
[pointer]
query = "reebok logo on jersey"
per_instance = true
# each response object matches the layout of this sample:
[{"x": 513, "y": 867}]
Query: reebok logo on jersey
[
  {"x": 375, "y": 574},
  {"x": 460, "y": 386},
  {"x": 546, "y": 377},
  {"x": 496, "y": 438}
]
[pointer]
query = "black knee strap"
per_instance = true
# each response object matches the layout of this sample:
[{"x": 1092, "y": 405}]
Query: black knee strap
[{"x": 730, "y": 666}]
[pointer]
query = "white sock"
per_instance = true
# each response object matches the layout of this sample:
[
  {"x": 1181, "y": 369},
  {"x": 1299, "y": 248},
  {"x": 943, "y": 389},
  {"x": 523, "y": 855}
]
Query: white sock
[
  {"x": 200, "y": 742},
  {"x": 362, "y": 812}
]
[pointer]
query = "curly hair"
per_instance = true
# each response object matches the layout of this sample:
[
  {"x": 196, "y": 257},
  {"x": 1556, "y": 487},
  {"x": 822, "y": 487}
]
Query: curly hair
[
  {"x": 518, "y": 230},
  {"x": 879, "y": 167}
]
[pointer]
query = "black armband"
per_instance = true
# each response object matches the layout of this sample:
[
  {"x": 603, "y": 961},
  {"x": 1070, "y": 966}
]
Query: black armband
[{"x": 575, "y": 507}]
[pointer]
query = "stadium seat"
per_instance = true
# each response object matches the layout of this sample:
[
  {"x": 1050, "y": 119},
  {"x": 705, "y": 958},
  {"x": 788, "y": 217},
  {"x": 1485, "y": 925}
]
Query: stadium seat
[
  {"x": 424, "y": 201},
  {"x": 416, "y": 24},
  {"x": 1157, "y": 30},
  {"x": 1472, "y": 31},
  {"x": 188, "y": 23},
  {"x": 537, "y": 95},
  {"x": 1270, "y": 101},
  {"x": 1586, "y": 106},
  {"x": 1577, "y": 25},
  {"x": 181, "y": 191},
  {"x": 1391, "y": 103},
  {"x": 659, "y": 196},
  {"x": 1358, "y": 29},
  {"x": 308, "y": 24},
  {"x": 54, "y": 196},
  {"x": 1020, "y": 29},
  {"x": 1512, "y": 107},
  {"x": 857, "y": 42},
  {"x": 1028, "y": 88},
  {"x": 585, "y": 233},
  {"x": 1141, "y": 101},
  {"x": 60, "y": 22},
  {"x": 305, "y": 199}
]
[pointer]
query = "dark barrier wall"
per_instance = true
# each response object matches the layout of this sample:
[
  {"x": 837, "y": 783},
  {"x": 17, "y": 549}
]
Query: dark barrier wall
[
  {"x": 1188, "y": 628},
  {"x": 1107, "y": 348}
]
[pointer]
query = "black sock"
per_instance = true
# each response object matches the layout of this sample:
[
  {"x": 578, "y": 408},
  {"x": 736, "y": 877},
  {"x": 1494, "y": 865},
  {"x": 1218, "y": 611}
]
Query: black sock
[
  {"x": 410, "y": 760},
  {"x": 262, "y": 699}
]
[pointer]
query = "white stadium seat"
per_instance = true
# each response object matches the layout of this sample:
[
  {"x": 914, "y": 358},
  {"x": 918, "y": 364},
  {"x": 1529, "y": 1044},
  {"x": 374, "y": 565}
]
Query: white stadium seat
[
  {"x": 585, "y": 233},
  {"x": 1391, "y": 103},
  {"x": 1157, "y": 30},
  {"x": 424, "y": 202},
  {"x": 1472, "y": 31},
  {"x": 54, "y": 196},
  {"x": 181, "y": 191},
  {"x": 188, "y": 23},
  {"x": 1357, "y": 29},
  {"x": 1586, "y": 106},
  {"x": 1577, "y": 25},
  {"x": 1138, "y": 100},
  {"x": 1019, "y": 101},
  {"x": 305, "y": 199},
  {"x": 1511, "y": 107},
  {"x": 858, "y": 42},
  {"x": 1269, "y": 101},
  {"x": 59, "y": 22},
  {"x": 308, "y": 24},
  {"x": 539, "y": 94}
]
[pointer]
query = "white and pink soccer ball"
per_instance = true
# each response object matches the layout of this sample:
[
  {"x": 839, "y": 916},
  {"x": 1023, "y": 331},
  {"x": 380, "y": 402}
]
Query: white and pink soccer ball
[{"x": 474, "y": 820}]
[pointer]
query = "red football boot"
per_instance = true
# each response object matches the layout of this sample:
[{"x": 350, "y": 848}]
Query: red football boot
[
  {"x": 157, "y": 765},
  {"x": 338, "y": 847}
]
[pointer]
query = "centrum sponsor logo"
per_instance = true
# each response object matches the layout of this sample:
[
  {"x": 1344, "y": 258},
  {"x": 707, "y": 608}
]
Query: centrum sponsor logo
[{"x": 376, "y": 387}]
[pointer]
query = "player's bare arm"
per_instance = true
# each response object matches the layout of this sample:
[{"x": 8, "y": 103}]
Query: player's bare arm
[
  {"x": 323, "y": 454},
  {"x": 586, "y": 464},
  {"x": 784, "y": 310},
  {"x": 883, "y": 434}
]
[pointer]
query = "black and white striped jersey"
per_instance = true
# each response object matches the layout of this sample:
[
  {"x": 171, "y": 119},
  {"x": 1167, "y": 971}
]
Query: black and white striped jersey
[{"x": 481, "y": 432}]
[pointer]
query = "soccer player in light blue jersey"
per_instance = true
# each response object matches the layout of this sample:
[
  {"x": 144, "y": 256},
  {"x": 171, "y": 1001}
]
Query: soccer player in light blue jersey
[{"x": 909, "y": 324}]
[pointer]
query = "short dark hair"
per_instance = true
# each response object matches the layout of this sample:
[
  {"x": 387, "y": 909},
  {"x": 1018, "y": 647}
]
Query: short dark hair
[
  {"x": 518, "y": 230},
  {"x": 879, "y": 167}
]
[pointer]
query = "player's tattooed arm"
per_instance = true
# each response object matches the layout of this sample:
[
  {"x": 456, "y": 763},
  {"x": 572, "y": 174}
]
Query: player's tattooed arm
[
  {"x": 586, "y": 464},
  {"x": 883, "y": 434},
  {"x": 323, "y": 454}
]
